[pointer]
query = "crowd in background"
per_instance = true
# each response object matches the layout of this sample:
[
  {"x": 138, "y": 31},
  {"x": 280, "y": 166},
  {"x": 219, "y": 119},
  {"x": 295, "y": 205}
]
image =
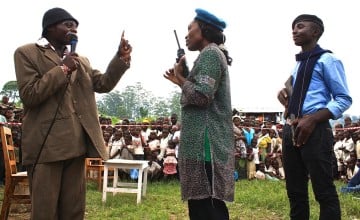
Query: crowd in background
[
  {"x": 154, "y": 140},
  {"x": 259, "y": 149},
  {"x": 258, "y": 145},
  {"x": 346, "y": 149}
]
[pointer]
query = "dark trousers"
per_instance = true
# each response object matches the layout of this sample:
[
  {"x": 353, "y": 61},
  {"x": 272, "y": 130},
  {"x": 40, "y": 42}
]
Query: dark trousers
[
  {"x": 312, "y": 160},
  {"x": 209, "y": 208}
]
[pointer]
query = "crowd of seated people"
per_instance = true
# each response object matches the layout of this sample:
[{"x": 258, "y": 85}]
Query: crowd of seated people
[
  {"x": 258, "y": 145},
  {"x": 156, "y": 141},
  {"x": 258, "y": 149},
  {"x": 347, "y": 154}
]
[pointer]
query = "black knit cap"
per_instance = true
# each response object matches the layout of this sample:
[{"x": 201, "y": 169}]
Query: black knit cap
[
  {"x": 308, "y": 17},
  {"x": 54, "y": 16}
]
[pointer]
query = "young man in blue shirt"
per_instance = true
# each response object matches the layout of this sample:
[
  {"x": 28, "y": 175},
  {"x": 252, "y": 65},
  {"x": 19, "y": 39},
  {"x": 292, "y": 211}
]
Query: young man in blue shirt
[{"x": 316, "y": 92}]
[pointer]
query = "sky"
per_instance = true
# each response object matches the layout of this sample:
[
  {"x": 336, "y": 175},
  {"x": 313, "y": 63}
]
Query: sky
[{"x": 258, "y": 38}]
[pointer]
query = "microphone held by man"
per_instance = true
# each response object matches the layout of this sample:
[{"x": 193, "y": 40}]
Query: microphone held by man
[
  {"x": 73, "y": 39},
  {"x": 70, "y": 61}
]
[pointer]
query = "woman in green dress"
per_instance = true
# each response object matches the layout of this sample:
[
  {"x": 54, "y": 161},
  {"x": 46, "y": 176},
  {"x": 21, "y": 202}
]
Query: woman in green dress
[{"x": 206, "y": 152}]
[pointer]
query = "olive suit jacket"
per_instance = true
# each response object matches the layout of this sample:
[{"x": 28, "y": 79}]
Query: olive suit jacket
[{"x": 43, "y": 87}]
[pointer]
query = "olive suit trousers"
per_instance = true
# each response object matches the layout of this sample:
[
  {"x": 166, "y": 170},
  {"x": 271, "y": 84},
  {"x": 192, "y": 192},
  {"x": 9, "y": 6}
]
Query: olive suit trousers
[{"x": 58, "y": 189}]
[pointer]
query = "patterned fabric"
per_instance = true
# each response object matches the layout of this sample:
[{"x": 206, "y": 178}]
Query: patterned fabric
[{"x": 206, "y": 104}]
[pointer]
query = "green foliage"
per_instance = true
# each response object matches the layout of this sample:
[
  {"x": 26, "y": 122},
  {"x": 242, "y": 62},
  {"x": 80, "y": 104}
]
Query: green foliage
[
  {"x": 134, "y": 102},
  {"x": 174, "y": 103},
  {"x": 143, "y": 112},
  {"x": 114, "y": 120},
  {"x": 10, "y": 90}
]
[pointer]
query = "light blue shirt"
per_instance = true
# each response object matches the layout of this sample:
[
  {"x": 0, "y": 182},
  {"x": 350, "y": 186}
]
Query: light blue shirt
[
  {"x": 2, "y": 119},
  {"x": 249, "y": 135},
  {"x": 328, "y": 87}
]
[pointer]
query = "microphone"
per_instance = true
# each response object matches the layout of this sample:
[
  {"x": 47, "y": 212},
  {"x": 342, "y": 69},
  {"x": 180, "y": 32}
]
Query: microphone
[{"x": 73, "y": 39}]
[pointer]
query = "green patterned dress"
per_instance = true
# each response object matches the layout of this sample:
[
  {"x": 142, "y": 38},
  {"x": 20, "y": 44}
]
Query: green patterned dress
[{"x": 206, "y": 107}]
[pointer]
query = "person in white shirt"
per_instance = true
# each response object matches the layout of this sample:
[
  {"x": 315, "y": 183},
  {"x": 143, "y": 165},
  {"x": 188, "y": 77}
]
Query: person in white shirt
[
  {"x": 137, "y": 144},
  {"x": 116, "y": 145},
  {"x": 175, "y": 129},
  {"x": 163, "y": 144},
  {"x": 153, "y": 144},
  {"x": 348, "y": 144}
]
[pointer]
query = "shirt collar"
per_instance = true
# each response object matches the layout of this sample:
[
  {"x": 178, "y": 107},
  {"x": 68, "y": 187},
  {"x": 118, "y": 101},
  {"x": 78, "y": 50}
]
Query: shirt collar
[{"x": 43, "y": 42}]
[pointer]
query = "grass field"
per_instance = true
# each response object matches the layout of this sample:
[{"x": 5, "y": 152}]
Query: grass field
[{"x": 254, "y": 200}]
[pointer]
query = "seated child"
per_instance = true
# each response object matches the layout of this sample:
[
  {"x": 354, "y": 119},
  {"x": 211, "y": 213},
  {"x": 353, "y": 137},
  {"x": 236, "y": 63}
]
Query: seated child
[
  {"x": 170, "y": 161},
  {"x": 270, "y": 172},
  {"x": 153, "y": 144},
  {"x": 260, "y": 174},
  {"x": 116, "y": 145},
  {"x": 155, "y": 170},
  {"x": 126, "y": 153},
  {"x": 350, "y": 166},
  {"x": 353, "y": 184}
]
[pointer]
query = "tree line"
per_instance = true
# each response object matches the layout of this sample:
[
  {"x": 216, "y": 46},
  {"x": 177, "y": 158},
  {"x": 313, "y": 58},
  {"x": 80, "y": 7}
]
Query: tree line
[{"x": 134, "y": 102}]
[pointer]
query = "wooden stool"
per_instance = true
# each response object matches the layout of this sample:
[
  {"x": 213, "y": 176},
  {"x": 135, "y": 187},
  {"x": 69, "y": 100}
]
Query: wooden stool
[{"x": 94, "y": 171}]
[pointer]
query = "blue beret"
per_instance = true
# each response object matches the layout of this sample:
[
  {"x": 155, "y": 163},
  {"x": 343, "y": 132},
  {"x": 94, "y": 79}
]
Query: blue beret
[{"x": 211, "y": 19}]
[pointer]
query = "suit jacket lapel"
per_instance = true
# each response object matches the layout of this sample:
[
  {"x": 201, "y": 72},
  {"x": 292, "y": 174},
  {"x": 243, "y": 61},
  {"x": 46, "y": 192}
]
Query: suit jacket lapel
[{"x": 51, "y": 55}]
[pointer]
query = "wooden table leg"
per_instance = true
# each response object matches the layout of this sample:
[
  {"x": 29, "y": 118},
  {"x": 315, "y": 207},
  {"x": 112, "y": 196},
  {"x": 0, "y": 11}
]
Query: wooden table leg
[
  {"x": 105, "y": 182},
  {"x": 139, "y": 186},
  {"x": 144, "y": 185}
]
